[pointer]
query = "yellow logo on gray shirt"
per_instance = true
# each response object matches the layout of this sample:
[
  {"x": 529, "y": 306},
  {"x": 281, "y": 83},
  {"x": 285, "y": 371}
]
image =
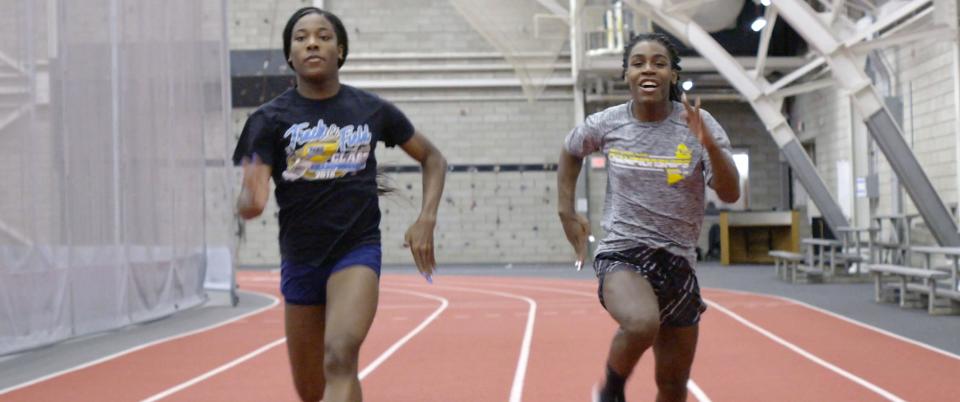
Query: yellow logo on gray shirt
[{"x": 676, "y": 167}]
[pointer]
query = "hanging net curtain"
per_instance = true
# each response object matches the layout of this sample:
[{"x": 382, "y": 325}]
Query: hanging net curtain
[
  {"x": 530, "y": 34},
  {"x": 104, "y": 107}
]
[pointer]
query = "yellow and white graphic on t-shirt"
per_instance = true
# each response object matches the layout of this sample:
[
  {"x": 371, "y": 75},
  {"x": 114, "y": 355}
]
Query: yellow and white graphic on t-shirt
[
  {"x": 326, "y": 151},
  {"x": 676, "y": 167}
]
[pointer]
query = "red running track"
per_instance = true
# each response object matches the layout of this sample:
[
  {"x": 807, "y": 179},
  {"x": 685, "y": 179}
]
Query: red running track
[{"x": 531, "y": 339}]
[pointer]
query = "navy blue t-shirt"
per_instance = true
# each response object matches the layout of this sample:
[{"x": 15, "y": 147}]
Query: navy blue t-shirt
[{"x": 323, "y": 164}]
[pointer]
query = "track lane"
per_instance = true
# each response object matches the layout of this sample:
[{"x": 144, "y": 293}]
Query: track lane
[
  {"x": 568, "y": 345},
  {"x": 469, "y": 354},
  {"x": 267, "y": 377}
]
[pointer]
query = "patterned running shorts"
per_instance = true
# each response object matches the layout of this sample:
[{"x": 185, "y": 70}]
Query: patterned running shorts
[{"x": 673, "y": 280}]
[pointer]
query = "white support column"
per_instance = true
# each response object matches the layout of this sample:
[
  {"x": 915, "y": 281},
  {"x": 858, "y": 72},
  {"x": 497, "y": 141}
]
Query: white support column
[
  {"x": 796, "y": 74},
  {"x": 771, "y": 17},
  {"x": 226, "y": 97},
  {"x": 581, "y": 193},
  {"x": 576, "y": 56},
  {"x": 835, "y": 10},
  {"x": 52, "y": 29},
  {"x": 860, "y": 163},
  {"x": 803, "y": 88},
  {"x": 114, "y": 23}
]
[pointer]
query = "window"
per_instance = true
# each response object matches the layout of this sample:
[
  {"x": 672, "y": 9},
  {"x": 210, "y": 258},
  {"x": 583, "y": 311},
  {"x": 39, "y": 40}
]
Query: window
[{"x": 741, "y": 157}]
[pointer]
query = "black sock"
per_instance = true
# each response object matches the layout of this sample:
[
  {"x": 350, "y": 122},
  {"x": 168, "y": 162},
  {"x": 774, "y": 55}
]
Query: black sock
[{"x": 613, "y": 388}]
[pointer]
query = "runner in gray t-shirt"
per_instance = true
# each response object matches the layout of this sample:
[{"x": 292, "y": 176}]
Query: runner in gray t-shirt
[{"x": 661, "y": 153}]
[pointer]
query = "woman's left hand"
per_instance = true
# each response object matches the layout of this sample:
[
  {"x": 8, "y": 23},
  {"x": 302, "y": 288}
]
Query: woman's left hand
[
  {"x": 419, "y": 238},
  {"x": 695, "y": 121}
]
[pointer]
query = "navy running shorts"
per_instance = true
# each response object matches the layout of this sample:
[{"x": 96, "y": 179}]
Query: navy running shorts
[{"x": 305, "y": 284}]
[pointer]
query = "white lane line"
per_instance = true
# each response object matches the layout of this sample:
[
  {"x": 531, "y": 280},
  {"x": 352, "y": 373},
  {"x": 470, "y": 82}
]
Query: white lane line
[
  {"x": 273, "y": 303},
  {"x": 806, "y": 305},
  {"x": 405, "y": 306},
  {"x": 211, "y": 373},
  {"x": 516, "y": 391},
  {"x": 548, "y": 289},
  {"x": 366, "y": 371},
  {"x": 876, "y": 389},
  {"x": 697, "y": 392},
  {"x": 393, "y": 348},
  {"x": 810, "y": 356},
  {"x": 792, "y": 347},
  {"x": 809, "y": 306},
  {"x": 849, "y": 320},
  {"x": 691, "y": 385}
]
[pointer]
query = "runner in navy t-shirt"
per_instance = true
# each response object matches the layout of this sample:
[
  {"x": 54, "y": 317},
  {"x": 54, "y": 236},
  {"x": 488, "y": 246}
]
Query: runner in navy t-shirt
[{"x": 317, "y": 142}]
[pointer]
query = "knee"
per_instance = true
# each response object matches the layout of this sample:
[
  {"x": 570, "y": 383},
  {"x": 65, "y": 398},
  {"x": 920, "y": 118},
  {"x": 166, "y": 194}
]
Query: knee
[
  {"x": 641, "y": 329},
  {"x": 341, "y": 355}
]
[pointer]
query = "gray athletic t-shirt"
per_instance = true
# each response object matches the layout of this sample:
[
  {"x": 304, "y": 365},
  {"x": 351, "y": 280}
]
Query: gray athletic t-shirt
[{"x": 655, "y": 177}]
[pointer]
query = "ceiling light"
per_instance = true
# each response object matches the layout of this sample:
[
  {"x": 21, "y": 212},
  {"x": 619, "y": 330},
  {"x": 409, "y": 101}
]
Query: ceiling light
[
  {"x": 687, "y": 85},
  {"x": 765, "y": 3},
  {"x": 758, "y": 24}
]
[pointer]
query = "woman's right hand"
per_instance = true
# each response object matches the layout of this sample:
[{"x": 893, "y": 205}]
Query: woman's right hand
[
  {"x": 577, "y": 229},
  {"x": 254, "y": 189}
]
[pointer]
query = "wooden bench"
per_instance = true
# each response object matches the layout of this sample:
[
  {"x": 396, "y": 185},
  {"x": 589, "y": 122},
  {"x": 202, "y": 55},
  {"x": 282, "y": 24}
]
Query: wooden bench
[
  {"x": 904, "y": 273},
  {"x": 788, "y": 260}
]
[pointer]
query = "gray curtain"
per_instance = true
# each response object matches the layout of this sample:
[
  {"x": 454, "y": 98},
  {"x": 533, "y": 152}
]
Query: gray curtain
[{"x": 104, "y": 107}]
